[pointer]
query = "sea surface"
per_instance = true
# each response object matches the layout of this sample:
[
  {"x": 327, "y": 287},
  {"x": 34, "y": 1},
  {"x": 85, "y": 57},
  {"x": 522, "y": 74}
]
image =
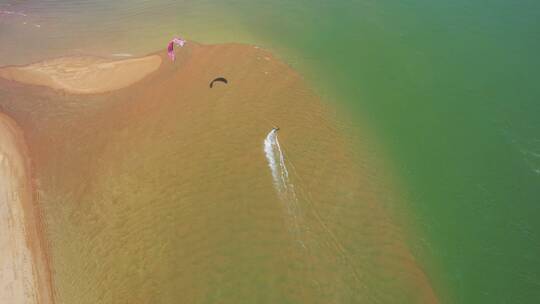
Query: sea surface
[{"x": 449, "y": 90}]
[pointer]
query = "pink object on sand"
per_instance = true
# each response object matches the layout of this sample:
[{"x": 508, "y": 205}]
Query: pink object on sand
[{"x": 170, "y": 47}]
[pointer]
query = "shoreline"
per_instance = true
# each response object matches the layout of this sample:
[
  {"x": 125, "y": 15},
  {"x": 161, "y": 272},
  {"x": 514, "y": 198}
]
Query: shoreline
[{"x": 24, "y": 269}]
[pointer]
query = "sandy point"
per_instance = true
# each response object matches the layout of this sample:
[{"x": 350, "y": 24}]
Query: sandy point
[
  {"x": 24, "y": 272},
  {"x": 83, "y": 75}
]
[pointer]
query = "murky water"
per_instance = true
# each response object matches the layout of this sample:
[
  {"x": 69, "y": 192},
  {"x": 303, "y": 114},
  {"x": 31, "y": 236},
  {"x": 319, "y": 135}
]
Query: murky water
[
  {"x": 164, "y": 191},
  {"x": 448, "y": 88}
]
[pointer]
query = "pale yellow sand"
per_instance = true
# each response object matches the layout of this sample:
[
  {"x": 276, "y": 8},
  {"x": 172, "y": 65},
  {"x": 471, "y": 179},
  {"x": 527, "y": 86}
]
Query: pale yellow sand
[
  {"x": 83, "y": 75},
  {"x": 23, "y": 272}
]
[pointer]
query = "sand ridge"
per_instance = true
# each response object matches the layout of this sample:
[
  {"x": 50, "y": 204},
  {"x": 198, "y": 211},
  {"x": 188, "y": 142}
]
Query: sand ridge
[
  {"x": 24, "y": 273},
  {"x": 84, "y": 74}
]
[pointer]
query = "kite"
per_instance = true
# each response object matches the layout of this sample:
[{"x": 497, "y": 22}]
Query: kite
[
  {"x": 170, "y": 48},
  {"x": 221, "y": 79}
]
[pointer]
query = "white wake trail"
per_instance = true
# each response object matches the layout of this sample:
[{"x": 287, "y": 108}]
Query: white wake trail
[
  {"x": 282, "y": 184},
  {"x": 287, "y": 194},
  {"x": 276, "y": 162}
]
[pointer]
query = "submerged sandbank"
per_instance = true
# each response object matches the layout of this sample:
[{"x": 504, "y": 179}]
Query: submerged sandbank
[
  {"x": 161, "y": 192},
  {"x": 24, "y": 273},
  {"x": 83, "y": 75}
]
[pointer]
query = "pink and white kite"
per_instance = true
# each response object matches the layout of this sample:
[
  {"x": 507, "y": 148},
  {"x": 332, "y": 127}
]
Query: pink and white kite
[{"x": 170, "y": 48}]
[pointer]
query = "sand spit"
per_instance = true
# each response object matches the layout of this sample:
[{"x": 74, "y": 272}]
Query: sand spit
[
  {"x": 161, "y": 193},
  {"x": 83, "y": 75},
  {"x": 24, "y": 275}
]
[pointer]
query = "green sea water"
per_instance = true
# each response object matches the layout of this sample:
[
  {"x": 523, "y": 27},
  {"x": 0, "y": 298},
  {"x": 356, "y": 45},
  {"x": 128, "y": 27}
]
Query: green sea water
[{"x": 450, "y": 90}]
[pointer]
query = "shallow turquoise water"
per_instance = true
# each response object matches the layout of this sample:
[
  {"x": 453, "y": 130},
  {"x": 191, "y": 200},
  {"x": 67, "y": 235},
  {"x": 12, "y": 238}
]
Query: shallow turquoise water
[{"x": 449, "y": 88}]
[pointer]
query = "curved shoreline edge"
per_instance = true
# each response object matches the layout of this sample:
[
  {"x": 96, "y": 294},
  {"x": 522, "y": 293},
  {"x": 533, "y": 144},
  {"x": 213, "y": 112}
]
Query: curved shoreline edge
[
  {"x": 24, "y": 269},
  {"x": 257, "y": 76}
]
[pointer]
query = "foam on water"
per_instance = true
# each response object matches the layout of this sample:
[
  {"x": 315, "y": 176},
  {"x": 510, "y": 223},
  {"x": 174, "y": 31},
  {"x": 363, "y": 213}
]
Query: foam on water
[
  {"x": 276, "y": 162},
  {"x": 122, "y": 55},
  {"x": 287, "y": 194},
  {"x": 4, "y": 12},
  {"x": 284, "y": 187}
]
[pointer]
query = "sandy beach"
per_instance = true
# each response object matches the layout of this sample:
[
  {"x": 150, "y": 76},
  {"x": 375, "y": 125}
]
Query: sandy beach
[{"x": 24, "y": 273}]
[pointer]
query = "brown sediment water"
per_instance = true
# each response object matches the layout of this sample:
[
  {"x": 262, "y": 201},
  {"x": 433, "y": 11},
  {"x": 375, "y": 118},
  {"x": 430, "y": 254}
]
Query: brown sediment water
[
  {"x": 161, "y": 192},
  {"x": 24, "y": 269}
]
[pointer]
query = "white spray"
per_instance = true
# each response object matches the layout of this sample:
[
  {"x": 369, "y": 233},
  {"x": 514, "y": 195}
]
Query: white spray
[
  {"x": 287, "y": 194},
  {"x": 282, "y": 184},
  {"x": 276, "y": 162}
]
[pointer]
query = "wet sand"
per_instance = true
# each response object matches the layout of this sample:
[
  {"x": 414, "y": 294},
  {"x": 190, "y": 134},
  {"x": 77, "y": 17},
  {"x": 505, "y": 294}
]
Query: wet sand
[
  {"x": 83, "y": 75},
  {"x": 24, "y": 272},
  {"x": 160, "y": 191}
]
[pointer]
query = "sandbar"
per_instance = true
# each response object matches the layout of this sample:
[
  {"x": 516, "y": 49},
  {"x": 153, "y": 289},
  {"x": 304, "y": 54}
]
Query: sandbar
[
  {"x": 24, "y": 275},
  {"x": 84, "y": 74}
]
